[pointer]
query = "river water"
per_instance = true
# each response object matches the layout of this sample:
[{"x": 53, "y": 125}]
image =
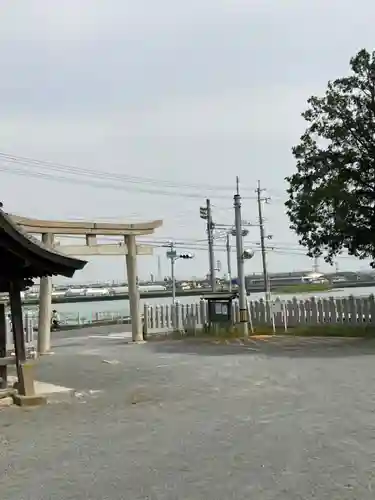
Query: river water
[{"x": 91, "y": 309}]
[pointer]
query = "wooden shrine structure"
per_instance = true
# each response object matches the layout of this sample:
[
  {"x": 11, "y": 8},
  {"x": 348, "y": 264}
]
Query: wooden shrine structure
[{"x": 22, "y": 259}]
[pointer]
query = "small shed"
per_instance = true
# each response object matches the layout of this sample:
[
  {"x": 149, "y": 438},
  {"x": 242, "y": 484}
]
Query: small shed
[
  {"x": 219, "y": 307},
  {"x": 22, "y": 259}
]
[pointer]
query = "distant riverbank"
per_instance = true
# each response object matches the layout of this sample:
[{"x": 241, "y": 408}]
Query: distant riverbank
[{"x": 302, "y": 288}]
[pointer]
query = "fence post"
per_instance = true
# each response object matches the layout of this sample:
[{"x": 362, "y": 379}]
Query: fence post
[
  {"x": 371, "y": 307},
  {"x": 334, "y": 311},
  {"x": 263, "y": 318},
  {"x": 203, "y": 312},
  {"x": 168, "y": 314},
  {"x": 157, "y": 316},
  {"x": 314, "y": 311},
  {"x": 277, "y": 312},
  {"x": 145, "y": 319},
  {"x": 177, "y": 316},
  {"x": 359, "y": 304},
  {"x": 173, "y": 315},
  {"x": 256, "y": 317},
  {"x": 345, "y": 308},
  {"x": 162, "y": 316},
  {"x": 366, "y": 310},
  {"x": 302, "y": 313},
  {"x": 296, "y": 311},
  {"x": 307, "y": 303},
  {"x": 250, "y": 315},
  {"x": 352, "y": 310},
  {"x": 197, "y": 313},
  {"x": 327, "y": 311},
  {"x": 339, "y": 309}
]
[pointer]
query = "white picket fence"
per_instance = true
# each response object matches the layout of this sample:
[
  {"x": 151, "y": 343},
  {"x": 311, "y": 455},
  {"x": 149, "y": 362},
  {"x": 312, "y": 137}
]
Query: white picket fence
[
  {"x": 30, "y": 335},
  {"x": 177, "y": 317},
  {"x": 278, "y": 313},
  {"x": 351, "y": 311}
]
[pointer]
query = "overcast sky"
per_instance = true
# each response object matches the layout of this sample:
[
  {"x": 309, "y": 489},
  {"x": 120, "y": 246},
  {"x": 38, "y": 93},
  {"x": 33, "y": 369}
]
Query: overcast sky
[{"x": 182, "y": 92}]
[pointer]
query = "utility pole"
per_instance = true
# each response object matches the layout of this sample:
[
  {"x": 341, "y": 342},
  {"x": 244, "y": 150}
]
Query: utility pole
[
  {"x": 262, "y": 241},
  {"x": 240, "y": 263},
  {"x": 206, "y": 214},
  {"x": 229, "y": 263},
  {"x": 160, "y": 277},
  {"x": 172, "y": 256}
]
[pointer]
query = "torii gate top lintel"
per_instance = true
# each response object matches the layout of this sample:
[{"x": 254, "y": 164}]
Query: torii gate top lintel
[{"x": 36, "y": 226}]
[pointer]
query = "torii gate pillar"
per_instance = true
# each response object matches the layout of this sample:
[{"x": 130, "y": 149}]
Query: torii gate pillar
[
  {"x": 131, "y": 269},
  {"x": 45, "y": 306}
]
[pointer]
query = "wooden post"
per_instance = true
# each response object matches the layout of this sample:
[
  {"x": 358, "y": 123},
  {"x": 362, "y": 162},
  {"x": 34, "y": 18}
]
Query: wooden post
[
  {"x": 3, "y": 347},
  {"x": 17, "y": 322},
  {"x": 25, "y": 376}
]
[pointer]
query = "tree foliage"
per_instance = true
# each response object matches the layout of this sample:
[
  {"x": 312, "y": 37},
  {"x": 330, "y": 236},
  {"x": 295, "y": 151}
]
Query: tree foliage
[{"x": 331, "y": 202}]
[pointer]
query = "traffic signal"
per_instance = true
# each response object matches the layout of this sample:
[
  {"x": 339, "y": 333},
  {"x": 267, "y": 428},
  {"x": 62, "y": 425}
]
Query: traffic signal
[
  {"x": 186, "y": 256},
  {"x": 203, "y": 213}
]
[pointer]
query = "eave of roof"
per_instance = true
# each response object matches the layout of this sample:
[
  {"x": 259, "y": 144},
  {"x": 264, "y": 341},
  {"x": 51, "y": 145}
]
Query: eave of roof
[{"x": 50, "y": 260}]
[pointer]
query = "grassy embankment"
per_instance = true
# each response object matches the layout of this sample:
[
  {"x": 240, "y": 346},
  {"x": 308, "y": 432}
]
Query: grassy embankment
[
  {"x": 327, "y": 330},
  {"x": 302, "y": 288}
]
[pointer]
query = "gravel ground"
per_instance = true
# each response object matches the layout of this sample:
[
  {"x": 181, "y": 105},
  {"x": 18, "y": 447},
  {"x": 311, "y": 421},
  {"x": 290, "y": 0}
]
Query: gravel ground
[{"x": 173, "y": 420}]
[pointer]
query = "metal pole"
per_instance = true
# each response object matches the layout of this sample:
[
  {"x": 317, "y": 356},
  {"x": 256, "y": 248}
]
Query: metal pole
[
  {"x": 173, "y": 260},
  {"x": 172, "y": 255},
  {"x": 262, "y": 244},
  {"x": 160, "y": 277},
  {"x": 229, "y": 264},
  {"x": 240, "y": 265},
  {"x": 210, "y": 238}
]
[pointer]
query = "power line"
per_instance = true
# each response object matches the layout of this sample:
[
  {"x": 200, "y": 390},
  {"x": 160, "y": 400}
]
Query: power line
[
  {"x": 61, "y": 167},
  {"x": 102, "y": 185},
  {"x": 201, "y": 246},
  {"x": 46, "y": 170},
  {"x": 200, "y": 243}
]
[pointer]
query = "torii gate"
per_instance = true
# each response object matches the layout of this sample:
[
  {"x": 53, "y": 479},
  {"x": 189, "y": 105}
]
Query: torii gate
[{"x": 48, "y": 229}]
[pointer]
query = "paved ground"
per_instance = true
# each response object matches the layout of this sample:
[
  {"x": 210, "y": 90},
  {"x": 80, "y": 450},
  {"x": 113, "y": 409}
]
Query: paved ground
[{"x": 168, "y": 420}]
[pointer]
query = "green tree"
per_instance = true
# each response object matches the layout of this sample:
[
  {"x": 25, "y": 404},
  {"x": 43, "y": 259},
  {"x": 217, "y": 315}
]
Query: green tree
[{"x": 331, "y": 203}]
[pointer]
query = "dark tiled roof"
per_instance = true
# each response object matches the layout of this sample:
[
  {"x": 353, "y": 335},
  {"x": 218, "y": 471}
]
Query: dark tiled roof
[{"x": 29, "y": 249}]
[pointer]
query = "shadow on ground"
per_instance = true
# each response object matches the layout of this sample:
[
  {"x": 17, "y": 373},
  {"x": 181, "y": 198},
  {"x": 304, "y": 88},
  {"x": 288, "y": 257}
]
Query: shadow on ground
[{"x": 274, "y": 347}]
